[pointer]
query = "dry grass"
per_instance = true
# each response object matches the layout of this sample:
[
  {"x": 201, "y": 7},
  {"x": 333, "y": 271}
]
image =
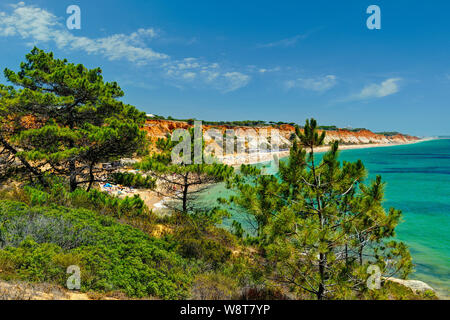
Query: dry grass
[
  {"x": 43, "y": 291},
  {"x": 28, "y": 291}
]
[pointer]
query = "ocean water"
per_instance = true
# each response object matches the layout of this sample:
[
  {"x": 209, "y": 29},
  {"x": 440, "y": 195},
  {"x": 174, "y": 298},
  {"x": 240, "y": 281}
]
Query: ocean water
[{"x": 418, "y": 183}]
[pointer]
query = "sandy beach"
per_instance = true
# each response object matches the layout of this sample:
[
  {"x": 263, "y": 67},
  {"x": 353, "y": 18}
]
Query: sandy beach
[
  {"x": 155, "y": 201},
  {"x": 152, "y": 199},
  {"x": 254, "y": 158}
]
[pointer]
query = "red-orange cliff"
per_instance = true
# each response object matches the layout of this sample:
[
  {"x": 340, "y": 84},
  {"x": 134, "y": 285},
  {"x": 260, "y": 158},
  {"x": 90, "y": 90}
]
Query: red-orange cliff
[{"x": 160, "y": 128}]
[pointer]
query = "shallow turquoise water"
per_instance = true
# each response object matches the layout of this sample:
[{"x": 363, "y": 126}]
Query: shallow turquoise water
[{"x": 418, "y": 183}]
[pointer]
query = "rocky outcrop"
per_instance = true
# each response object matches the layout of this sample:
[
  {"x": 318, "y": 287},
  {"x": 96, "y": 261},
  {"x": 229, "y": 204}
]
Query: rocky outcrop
[
  {"x": 160, "y": 128},
  {"x": 415, "y": 285}
]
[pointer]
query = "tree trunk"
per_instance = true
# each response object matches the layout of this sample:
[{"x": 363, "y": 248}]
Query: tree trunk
[
  {"x": 25, "y": 163},
  {"x": 360, "y": 255},
  {"x": 346, "y": 254},
  {"x": 321, "y": 290},
  {"x": 72, "y": 165},
  {"x": 322, "y": 256},
  {"x": 91, "y": 177},
  {"x": 73, "y": 176},
  {"x": 185, "y": 193}
]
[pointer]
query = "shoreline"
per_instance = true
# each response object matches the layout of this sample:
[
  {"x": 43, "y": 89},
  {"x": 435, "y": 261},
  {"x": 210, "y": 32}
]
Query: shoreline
[
  {"x": 259, "y": 158},
  {"x": 156, "y": 202}
]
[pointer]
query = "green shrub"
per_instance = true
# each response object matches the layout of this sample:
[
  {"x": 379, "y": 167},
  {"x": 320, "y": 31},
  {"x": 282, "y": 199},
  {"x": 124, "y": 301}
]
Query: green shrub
[
  {"x": 133, "y": 180},
  {"x": 112, "y": 256},
  {"x": 107, "y": 204},
  {"x": 214, "y": 286},
  {"x": 93, "y": 200},
  {"x": 33, "y": 261},
  {"x": 209, "y": 251}
]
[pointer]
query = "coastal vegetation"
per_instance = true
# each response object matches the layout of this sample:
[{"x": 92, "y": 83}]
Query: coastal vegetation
[
  {"x": 65, "y": 119},
  {"x": 186, "y": 177},
  {"x": 243, "y": 123},
  {"x": 318, "y": 226},
  {"x": 388, "y": 133}
]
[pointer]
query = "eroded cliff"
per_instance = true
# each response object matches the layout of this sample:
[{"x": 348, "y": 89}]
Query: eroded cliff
[{"x": 160, "y": 128}]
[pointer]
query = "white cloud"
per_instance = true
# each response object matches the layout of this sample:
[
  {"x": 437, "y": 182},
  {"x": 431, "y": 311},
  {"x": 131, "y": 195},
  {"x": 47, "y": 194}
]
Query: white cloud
[
  {"x": 235, "y": 80},
  {"x": 315, "y": 84},
  {"x": 265, "y": 70},
  {"x": 41, "y": 26},
  {"x": 288, "y": 42},
  {"x": 189, "y": 75},
  {"x": 205, "y": 73},
  {"x": 386, "y": 88}
]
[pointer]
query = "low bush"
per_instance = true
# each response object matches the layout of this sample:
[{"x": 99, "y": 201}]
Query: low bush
[
  {"x": 198, "y": 238},
  {"x": 212, "y": 253},
  {"x": 38, "y": 243},
  {"x": 133, "y": 180},
  {"x": 214, "y": 286},
  {"x": 106, "y": 204},
  {"x": 95, "y": 200}
]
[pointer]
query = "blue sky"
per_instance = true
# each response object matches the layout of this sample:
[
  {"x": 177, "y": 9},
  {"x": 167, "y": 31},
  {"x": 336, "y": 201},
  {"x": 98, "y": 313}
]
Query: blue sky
[{"x": 257, "y": 60}]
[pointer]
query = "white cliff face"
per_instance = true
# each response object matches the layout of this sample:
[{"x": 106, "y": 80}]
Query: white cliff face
[{"x": 364, "y": 137}]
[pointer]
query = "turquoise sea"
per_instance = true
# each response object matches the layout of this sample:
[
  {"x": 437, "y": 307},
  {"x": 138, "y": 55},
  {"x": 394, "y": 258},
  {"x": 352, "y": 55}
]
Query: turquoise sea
[{"x": 418, "y": 183}]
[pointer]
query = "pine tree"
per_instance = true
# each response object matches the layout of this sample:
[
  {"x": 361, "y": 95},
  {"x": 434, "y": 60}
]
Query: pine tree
[
  {"x": 319, "y": 225},
  {"x": 77, "y": 118},
  {"x": 183, "y": 181},
  {"x": 12, "y": 163}
]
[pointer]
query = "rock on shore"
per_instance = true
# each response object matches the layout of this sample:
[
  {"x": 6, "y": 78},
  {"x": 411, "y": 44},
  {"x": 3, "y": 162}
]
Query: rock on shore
[{"x": 416, "y": 286}]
